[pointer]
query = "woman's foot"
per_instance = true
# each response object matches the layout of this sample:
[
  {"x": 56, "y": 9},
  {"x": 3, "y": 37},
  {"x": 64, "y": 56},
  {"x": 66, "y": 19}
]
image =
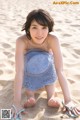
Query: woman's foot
[
  {"x": 54, "y": 102},
  {"x": 30, "y": 102}
]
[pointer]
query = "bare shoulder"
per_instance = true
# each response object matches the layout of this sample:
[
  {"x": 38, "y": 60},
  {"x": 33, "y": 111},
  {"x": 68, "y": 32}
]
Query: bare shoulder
[
  {"x": 53, "y": 40},
  {"x": 22, "y": 41}
]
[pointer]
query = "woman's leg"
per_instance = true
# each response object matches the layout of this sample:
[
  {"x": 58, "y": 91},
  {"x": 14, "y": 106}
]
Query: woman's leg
[
  {"x": 30, "y": 99},
  {"x": 52, "y": 100}
]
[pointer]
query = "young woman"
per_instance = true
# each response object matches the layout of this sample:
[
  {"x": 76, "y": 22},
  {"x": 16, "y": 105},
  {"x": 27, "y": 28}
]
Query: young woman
[{"x": 39, "y": 61}]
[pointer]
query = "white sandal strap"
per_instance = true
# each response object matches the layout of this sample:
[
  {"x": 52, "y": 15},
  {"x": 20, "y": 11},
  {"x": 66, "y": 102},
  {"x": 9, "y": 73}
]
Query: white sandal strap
[
  {"x": 18, "y": 113},
  {"x": 13, "y": 106},
  {"x": 70, "y": 105}
]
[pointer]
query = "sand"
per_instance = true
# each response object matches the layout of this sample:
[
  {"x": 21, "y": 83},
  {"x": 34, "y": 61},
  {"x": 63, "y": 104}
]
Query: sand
[{"x": 67, "y": 29}]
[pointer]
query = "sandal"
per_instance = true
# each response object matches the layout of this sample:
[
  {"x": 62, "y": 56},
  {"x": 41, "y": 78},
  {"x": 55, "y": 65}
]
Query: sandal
[
  {"x": 71, "y": 110},
  {"x": 16, "y": 115}
]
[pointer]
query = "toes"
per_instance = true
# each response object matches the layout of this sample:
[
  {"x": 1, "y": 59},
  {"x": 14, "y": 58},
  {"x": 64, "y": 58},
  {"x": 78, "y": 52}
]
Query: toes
[
  {"x": 53, "y": 103},
  {"x": 30, "y": 102},
  {"x": 26, "y": 104}
]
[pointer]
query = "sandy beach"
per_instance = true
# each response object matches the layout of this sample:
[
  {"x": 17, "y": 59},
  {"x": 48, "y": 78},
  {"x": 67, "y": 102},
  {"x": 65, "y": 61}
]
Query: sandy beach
[{"x": 67, "y": 28}]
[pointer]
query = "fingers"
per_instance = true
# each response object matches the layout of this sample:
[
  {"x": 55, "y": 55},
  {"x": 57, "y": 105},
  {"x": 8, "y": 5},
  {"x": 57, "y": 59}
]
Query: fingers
[
  {"x": 70, "y": 114},
  {"x": 71, "y": 110},
  {"x": 76, "y": 111}
]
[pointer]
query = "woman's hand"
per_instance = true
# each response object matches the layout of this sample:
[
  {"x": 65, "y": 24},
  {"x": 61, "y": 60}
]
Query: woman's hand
[{"x": 71, "y": 109}]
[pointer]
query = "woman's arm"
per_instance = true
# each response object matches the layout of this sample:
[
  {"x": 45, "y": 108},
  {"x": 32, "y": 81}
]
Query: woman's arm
[
  {"x": 55, "y": 46},
  {"x": 19, "y": 69}
]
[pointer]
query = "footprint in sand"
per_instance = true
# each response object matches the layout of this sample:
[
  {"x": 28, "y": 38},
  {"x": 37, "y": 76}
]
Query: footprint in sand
[
  {"x": 66, "y": 35},
  {"x": 71, "y": 81},
  {"x": 11, "y": 62},
  {"x": 77, "y": 19},
  {"x": 5, "y": 45},
  {"x": 59, "y": 21},
  {"x": 58, "y": 30},
  {"x": 76, "y": 56},
  {"x": 65, "y": 45},
  {"x": 76, "y": 25},
  {"x": 8, "y": 54},
  {"x": 77, "y": 51},
  {"x": 1, "y": 72},
  {"x": 68, "y": 21}
]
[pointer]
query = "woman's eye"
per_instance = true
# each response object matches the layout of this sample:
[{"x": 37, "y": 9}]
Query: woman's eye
[
  {"x": 34, "y": 28},
  {"x": 44, "y": 27}
]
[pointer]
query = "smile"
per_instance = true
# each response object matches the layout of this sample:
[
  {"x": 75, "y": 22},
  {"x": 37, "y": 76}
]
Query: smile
[{"x": 39, "y": 38}]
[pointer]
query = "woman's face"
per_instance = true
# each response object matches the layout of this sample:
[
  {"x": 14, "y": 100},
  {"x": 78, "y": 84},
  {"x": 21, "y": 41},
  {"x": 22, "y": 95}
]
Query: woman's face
[{"x": 38, "y": 32}]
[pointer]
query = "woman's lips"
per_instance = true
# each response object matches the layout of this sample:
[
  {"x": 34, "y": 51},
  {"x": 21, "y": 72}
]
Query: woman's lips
[{"x": 39, "y": 38}]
